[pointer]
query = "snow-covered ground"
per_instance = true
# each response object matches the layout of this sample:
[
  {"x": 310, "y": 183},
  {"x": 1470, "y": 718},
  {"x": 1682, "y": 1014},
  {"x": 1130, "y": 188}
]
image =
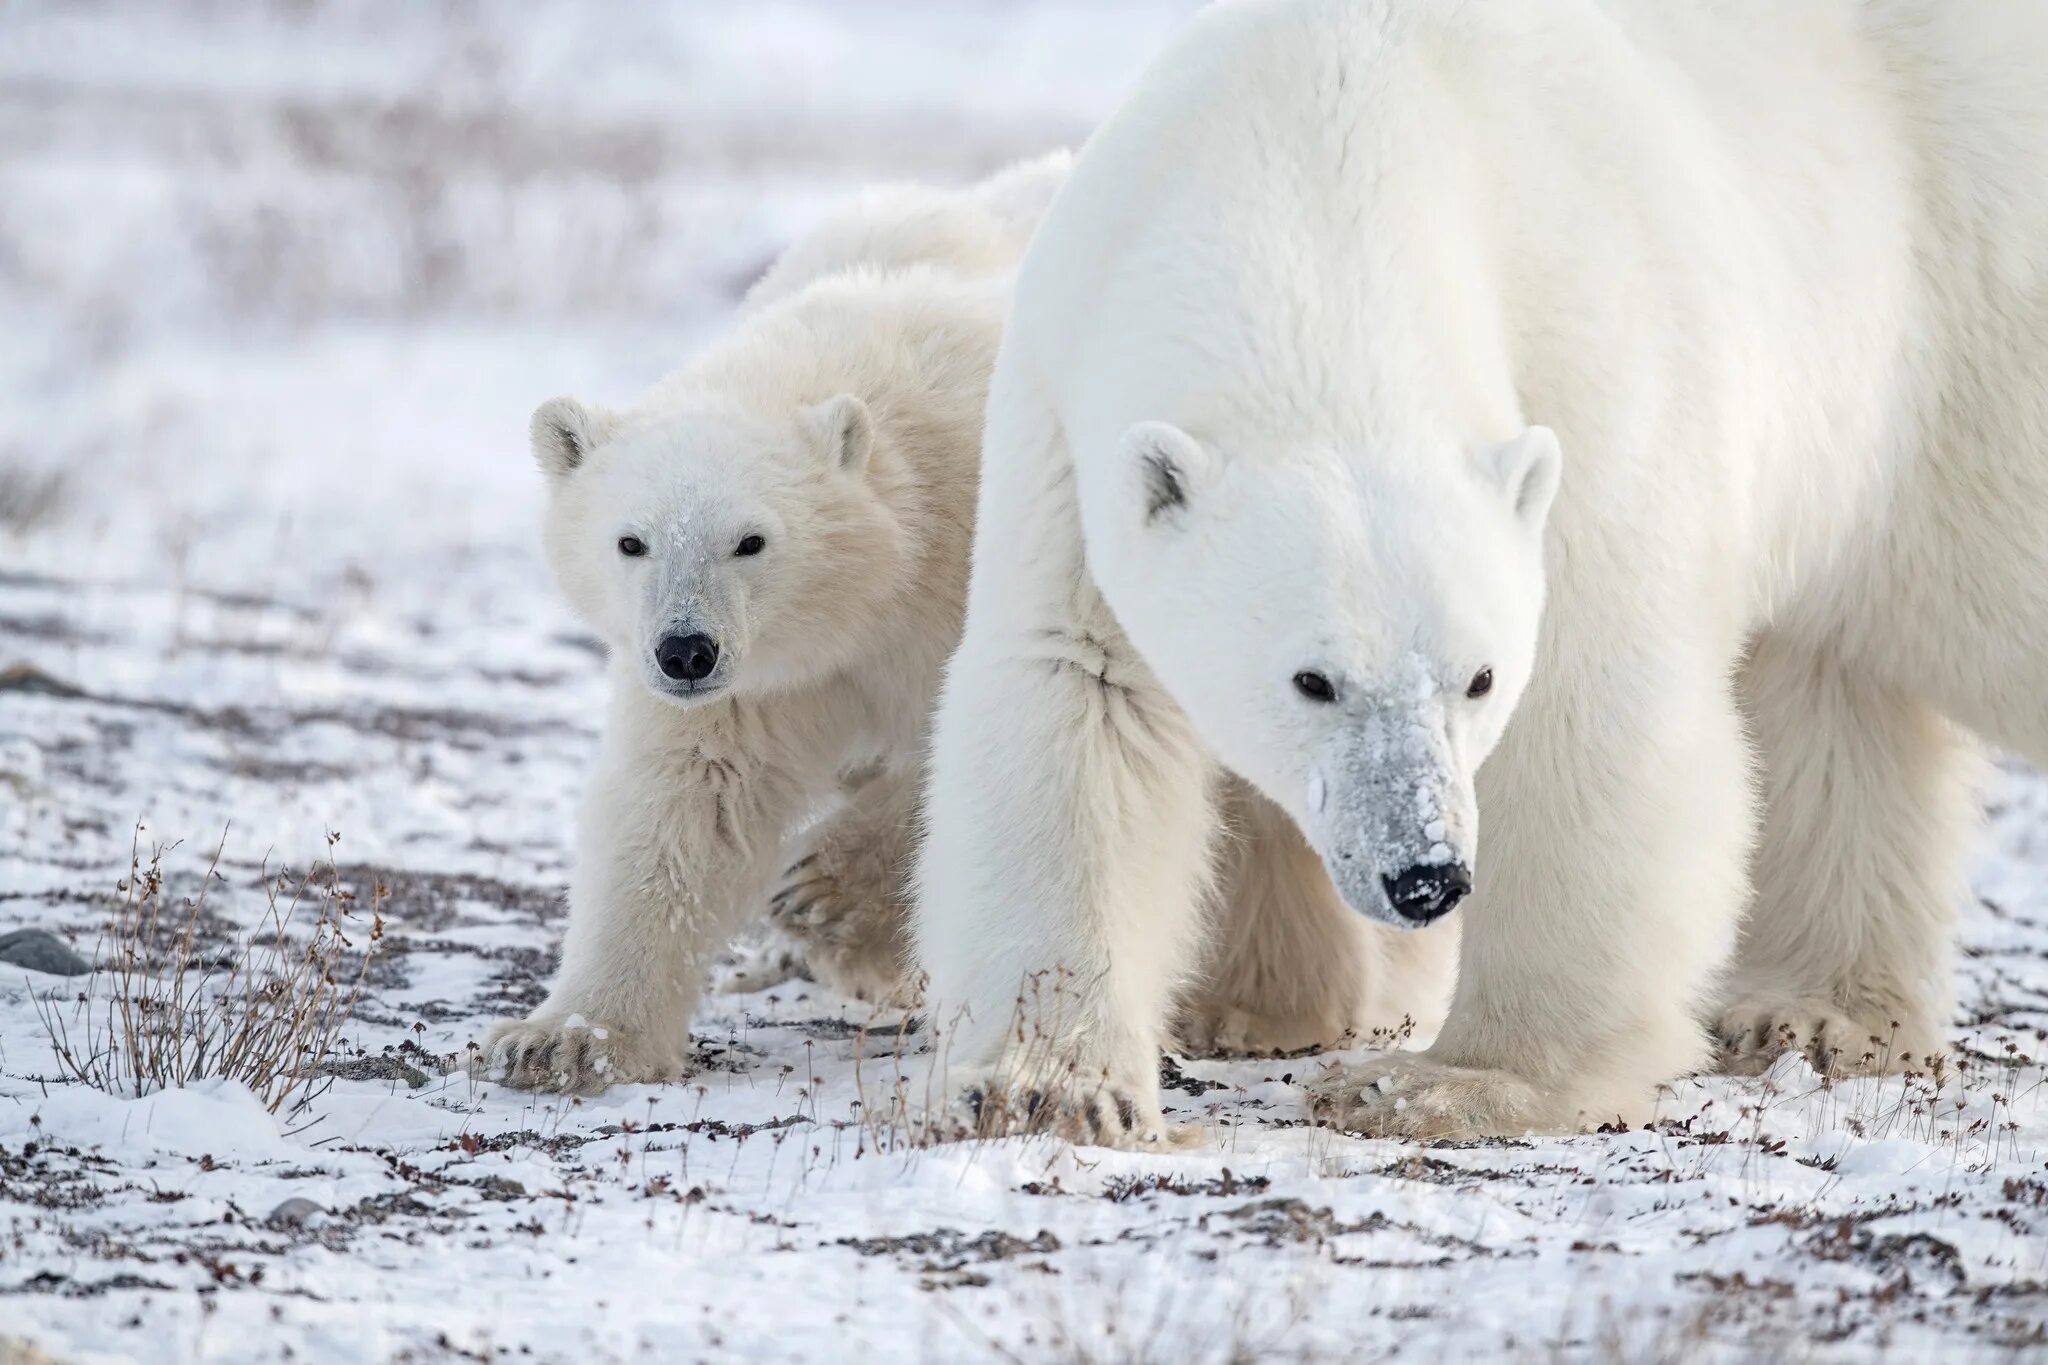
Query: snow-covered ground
[{"x": 280, "y": 285}]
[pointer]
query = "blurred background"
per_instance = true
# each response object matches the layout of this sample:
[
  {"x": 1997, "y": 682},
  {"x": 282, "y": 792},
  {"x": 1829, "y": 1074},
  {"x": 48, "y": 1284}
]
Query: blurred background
[
  {"x": 281, "y": 283},
  {"x": 341, "y": 249}
]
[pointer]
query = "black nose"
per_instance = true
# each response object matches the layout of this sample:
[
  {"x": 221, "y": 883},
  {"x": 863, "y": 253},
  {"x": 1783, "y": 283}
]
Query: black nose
[
  {"x": 687, "y": 658},
  {"x": 1422, "y": 895}
]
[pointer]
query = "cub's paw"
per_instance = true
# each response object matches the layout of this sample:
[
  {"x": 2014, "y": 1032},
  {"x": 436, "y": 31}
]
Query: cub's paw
[
  {"x": 1214, "y": 1030},
  {"x": 1097, "y": 1113},
  {"x": 759, "y": 958},
  {"x": 1758, "y": 1029},
  {"x": 843, "y": 912},
  {"x": 1409, "y": 1095},
  {"x": 567, "y": 1055}
]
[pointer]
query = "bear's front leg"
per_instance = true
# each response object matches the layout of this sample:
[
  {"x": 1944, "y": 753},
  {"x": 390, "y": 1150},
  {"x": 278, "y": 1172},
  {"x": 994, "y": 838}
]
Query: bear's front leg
[
  {"x": 845, "y": 900},
  {"x": 677, "y": 832},
  {"x": 1060, "y": 885},
  {"x": 1060, "y": 879},
  {"x": 1610, "y": 883}
]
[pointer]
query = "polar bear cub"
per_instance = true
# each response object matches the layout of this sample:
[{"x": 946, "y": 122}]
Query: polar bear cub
[
  {"x": 773, "y": 545},
  {"x": 1444, "y": 445}
]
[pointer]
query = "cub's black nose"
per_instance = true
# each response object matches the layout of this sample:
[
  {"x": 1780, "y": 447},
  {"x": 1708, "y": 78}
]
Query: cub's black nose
[
  {"x": 687, "y": 658},
  {"x": 1422, "y": 895}
]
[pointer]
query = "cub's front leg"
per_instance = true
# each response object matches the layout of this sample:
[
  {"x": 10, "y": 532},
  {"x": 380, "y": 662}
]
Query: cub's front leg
[
  {"x": 845, "y": 900},
  {"x": 678, "y": 830}
]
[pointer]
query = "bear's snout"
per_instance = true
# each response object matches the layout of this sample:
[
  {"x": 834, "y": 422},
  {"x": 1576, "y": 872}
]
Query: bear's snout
[
  {"x": 1425, "y": 894},
  {"x": 687, "y": 658}
]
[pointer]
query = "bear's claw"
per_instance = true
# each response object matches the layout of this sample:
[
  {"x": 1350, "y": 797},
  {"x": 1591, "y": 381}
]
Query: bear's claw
[
  {"x": 1103, "y": 1115},
  {"x": 1229, "y": 1031},
  {"x": 841, "y": 906}
]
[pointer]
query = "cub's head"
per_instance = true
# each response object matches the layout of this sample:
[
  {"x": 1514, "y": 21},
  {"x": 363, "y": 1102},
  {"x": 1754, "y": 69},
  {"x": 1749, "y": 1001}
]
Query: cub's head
[
  {"x": 718, "y": 551},
  {"x": 1351, "y": 637}
]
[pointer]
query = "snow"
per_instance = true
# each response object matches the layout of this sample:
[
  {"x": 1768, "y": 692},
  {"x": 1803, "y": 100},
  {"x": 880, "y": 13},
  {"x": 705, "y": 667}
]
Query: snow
[{"x": 283, "y": 283}]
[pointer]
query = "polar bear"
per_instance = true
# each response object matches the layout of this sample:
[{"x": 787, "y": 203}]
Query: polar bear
[
  {"x": 774, "y": 544},
  {"x": 1627, "y": 421}
]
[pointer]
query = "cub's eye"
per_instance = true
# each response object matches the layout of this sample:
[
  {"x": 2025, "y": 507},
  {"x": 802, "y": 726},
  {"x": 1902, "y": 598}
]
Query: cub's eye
[
  {"x": 632, "y": 547},
  {"x": 1481, "y": 684},
  {"x": 752, "y": 545},
  {"x": 1314, "y": 686}
]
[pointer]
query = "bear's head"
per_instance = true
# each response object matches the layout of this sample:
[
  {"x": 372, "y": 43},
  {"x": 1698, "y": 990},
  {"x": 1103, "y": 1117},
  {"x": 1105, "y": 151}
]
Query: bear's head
[
  {"x": 1349, "y": 636},
  {"x": 718, "y": 550}
]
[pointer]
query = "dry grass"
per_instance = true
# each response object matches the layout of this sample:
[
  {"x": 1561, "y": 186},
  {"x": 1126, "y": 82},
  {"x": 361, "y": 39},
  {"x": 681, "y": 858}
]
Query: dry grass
[
  {"x": 909, "y": 1113},
  {"x": 162, "y": 1010}
]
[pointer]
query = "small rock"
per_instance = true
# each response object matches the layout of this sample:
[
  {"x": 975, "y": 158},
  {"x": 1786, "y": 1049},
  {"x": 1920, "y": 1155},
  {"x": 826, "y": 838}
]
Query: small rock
[
  {"x": 384, "y": 1068},
  {"x": 39, "y": 950},
  {"x": 293, "y": 1213}
]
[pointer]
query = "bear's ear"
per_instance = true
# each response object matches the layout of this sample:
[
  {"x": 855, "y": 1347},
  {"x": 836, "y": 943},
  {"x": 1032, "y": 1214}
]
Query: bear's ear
[
  {"x": 564, "y": 433},
  {"x": 1526, "y": 469},
  {"x": 1169, "y": 466},
  {"x": 845, "y": 431}
]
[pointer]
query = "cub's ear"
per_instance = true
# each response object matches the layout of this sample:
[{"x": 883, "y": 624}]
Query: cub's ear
[
  {"x": 1168, "y": 466},
  {"x": 564, "y": 434},
  {"x": 1526, "y": 469},
  {"x": 845, "y": 431}
]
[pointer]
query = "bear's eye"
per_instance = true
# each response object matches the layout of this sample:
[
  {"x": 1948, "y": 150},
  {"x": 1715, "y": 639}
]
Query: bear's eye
[
  {"x": 1481, "y": 684},
  {"x": 752, "y": 545},
  {"x": 632, "y": 547},
  {"x": 1314, "y": 686}
]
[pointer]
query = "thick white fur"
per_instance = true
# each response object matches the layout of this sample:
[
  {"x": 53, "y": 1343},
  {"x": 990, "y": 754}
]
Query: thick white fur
[
  {"x": 980, "y": 232},
  {"x": 1776, "y": 278}
]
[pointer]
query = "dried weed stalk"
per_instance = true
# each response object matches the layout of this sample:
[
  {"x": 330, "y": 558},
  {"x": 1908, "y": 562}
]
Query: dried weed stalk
[{"x": 161, "y": 1009}]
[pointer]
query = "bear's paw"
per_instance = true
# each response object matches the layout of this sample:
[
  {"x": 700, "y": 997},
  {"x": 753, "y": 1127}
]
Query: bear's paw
[
  {"x": 840, "y": 905},
  {"x": 1838, "y": 1040},
  {"x": 568, "y": 1055},
  {"x": 1211, "y": 1028},
  {"x": 1410, "y": 1095},
  {"x": 1099, "y": 1111}
]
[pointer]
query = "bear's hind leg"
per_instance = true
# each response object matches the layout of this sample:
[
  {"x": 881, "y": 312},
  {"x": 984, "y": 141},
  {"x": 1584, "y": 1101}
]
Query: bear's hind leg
[
  {"x": 1868, "y": 804},
  {"x": 845, "y": 900}
]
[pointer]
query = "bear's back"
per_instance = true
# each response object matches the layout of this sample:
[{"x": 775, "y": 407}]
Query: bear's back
[{"x": 974, "y": 232}]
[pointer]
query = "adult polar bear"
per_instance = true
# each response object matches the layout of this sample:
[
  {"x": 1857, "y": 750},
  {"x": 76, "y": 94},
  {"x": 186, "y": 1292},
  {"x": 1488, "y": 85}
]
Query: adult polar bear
[{"x": 1262, "y": 488}]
